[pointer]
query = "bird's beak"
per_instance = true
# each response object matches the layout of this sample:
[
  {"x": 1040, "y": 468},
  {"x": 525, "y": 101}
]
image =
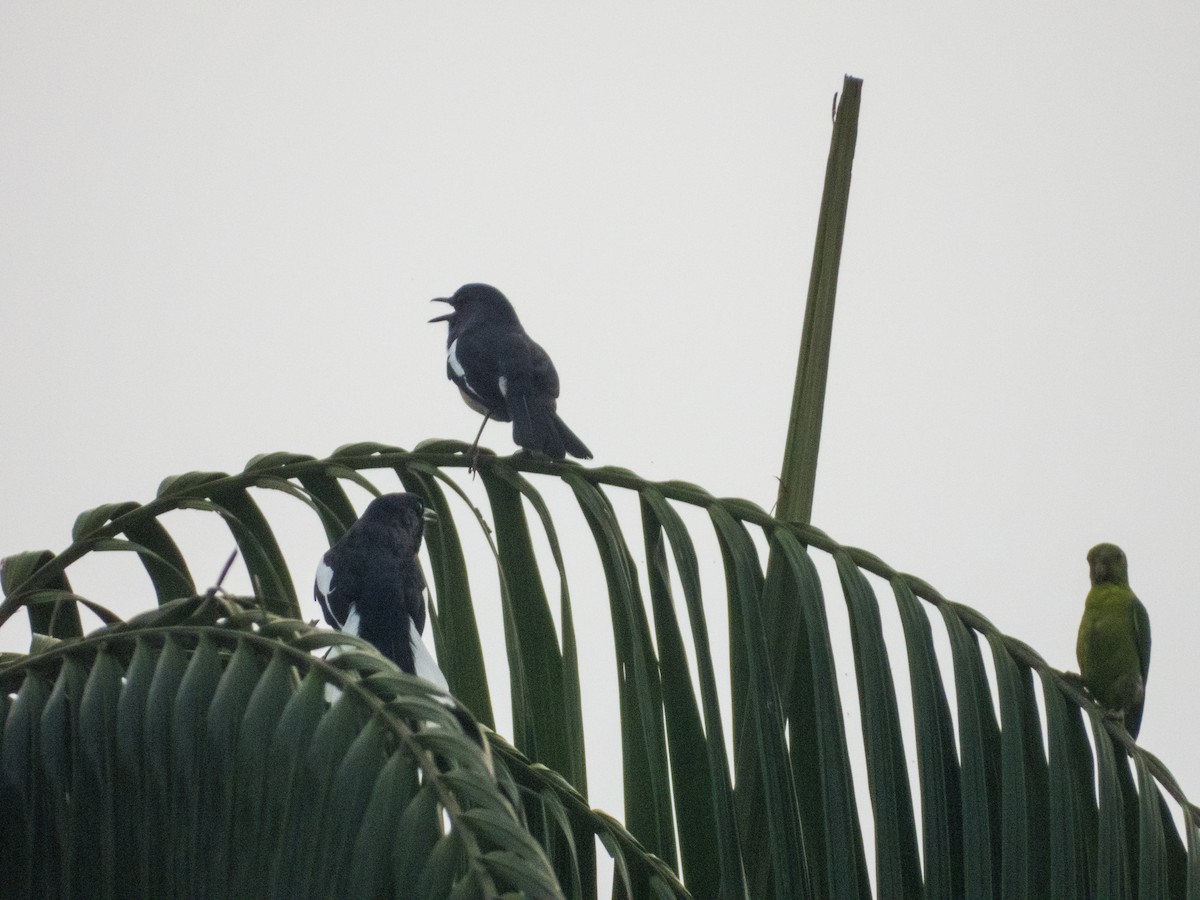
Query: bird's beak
[
  {"x": 448, "y": 315},
  {"x": 430, "y": 517}
]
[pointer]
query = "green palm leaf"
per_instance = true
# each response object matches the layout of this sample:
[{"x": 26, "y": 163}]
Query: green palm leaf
[
  {"x": 193, "y": 753},
  {"x": 205, "y": 718}
]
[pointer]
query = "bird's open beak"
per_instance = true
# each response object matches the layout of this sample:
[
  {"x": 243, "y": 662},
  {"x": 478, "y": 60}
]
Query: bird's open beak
[
  {"x": 429, "y": 516},
  {"x": 448, "y": 315}
]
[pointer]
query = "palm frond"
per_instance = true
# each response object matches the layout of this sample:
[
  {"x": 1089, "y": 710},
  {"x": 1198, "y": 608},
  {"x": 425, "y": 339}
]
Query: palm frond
[
  {"x": 1012, "y": 792},
  {"x": 191, "y": 752}
]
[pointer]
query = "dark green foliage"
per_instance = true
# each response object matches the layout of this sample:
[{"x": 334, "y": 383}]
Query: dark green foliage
[
  {"x": 200, "y": 759},
  {"x": 191, "y": 749}
]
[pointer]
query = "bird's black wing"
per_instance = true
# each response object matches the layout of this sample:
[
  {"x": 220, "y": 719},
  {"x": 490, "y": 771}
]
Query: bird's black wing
[
  {"x": 413, "y": 595},
  {"x": 390, "y": 605},
  {"x": 531, "y": 383},
  {"x": 542, "y": 374},
  {"x": 473, "y": 363},
  {"x": 400, "y": 639}
]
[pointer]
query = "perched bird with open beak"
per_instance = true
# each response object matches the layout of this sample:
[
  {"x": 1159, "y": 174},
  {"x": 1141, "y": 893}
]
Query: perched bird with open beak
[{"x": 503, "y": 374}]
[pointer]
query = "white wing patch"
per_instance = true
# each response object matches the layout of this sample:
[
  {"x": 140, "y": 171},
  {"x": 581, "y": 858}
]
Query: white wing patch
[
  {"x": 424, "y": 664},
  {"x": 452, "y": 360},
  {"x": 350, "y": 627},
  {"x": 352, "y": 621},
  {"x": 325, "y": 584},
  {"x": 503, "y": 386},
  {"x": 470, "y": 395}
]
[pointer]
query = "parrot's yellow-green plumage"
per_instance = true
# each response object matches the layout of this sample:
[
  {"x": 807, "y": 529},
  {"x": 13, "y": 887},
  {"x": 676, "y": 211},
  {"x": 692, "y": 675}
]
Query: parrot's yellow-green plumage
[{"x": 1114, "y": 638}]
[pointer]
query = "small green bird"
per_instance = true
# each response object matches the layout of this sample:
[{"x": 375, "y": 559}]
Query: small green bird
[{"x": 1114, "y": 639}]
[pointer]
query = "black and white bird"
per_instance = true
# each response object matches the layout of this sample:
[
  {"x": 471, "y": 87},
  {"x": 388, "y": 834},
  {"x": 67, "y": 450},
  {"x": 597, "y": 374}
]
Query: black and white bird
[
  {"x": 369, "y": 584},
  {"x": 503, "y": 373}
]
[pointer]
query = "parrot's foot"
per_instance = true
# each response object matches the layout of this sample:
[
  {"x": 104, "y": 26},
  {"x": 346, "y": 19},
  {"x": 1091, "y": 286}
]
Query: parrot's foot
[
  {"x": 1075, "y": 680},
  {"x": 1115, "y": 715}
]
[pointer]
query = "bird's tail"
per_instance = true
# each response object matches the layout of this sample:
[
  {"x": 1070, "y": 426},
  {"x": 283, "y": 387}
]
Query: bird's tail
[
  {"x": 571, "y": 442},
  {"x": 537, "y": 426}
]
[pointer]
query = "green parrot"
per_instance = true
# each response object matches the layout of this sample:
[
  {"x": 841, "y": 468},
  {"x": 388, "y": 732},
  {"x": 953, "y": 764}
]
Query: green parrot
[{"x": 1114, "y": 639}]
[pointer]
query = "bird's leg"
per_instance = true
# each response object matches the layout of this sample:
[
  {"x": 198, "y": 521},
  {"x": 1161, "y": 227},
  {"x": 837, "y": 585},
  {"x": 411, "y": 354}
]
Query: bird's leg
[{"x": 475, "y": 446}]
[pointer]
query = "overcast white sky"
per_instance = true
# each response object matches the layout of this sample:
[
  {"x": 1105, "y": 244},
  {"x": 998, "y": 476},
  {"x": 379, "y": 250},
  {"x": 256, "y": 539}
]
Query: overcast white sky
[{"x": 219, "y": 230}]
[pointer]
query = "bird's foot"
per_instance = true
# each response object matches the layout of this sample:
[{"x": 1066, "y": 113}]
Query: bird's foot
[
  {"x": 474, "y": 456},
  {"x": 1076, "y": 681}
]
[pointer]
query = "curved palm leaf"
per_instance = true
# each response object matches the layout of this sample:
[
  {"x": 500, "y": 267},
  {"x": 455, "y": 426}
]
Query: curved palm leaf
[
  {"x": 191, "y": 752},
  {"x": 997, "y": 814}
]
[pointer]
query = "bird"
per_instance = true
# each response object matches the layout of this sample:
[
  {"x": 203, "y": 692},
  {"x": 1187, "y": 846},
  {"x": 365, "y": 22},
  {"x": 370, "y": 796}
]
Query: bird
[
  {"x": 1113, "y": 646},
  {"x": 503, "y": 374},
  {"x": 369, "y": 584}
]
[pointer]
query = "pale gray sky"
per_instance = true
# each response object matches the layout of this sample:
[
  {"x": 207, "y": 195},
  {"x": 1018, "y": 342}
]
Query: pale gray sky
[{"x": 219, "y": 229}]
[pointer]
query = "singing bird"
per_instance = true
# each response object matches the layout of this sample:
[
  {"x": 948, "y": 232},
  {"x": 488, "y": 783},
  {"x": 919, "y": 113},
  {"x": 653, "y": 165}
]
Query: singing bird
[
  {"x": 503, "y": 373},
  {"x": 1114, "y": 639},
  {"x": 369, "y": 584}
]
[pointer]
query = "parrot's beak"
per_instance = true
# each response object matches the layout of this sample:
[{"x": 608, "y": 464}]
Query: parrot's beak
[{"x": 430, "y": 517}]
